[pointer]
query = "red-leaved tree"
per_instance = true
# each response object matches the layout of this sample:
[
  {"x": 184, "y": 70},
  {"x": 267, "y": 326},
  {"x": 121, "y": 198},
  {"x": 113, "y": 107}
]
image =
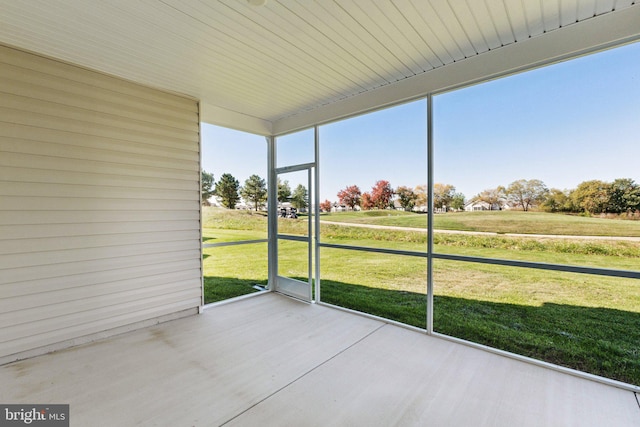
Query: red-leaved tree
[
  {"x": 325, "y": 206},
  {"x": 365, "y": 202},
  {"x": 381, "y": 194},
  {"x": 350, "y": 196}
]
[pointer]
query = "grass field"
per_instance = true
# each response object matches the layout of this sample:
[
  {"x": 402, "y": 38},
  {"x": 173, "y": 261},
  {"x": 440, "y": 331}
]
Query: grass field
[
  {"x": 585, "y": 322},
  {"x": 497, "y": 222}
]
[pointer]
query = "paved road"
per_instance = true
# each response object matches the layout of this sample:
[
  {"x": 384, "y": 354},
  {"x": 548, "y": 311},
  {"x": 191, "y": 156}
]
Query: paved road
[{"x": 485, "y": 233}]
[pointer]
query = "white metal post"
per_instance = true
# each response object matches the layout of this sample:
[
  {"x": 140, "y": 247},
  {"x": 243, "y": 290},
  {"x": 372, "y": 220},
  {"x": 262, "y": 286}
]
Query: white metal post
[
  {"x": 272, "y": 214},
  {"x": 316, "y": 211},
  {"x": 310, "y": 234},
  {"x": 430, "y": 214}
]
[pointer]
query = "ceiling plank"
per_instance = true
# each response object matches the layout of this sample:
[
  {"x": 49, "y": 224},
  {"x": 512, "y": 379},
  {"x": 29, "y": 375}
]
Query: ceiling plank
[
  {"x": 444, "y": 10},
  {"x": 582, "y": 38},
  {"x": 431, "y": 19},
  {"x": 586, "y": 9},
  {"x": 485, "y": 23},
  {"x": 518, "y": 19},
  {"x": 288, "y": 57},
  {"x": 380, "y": 30},
  {"x": 501, "y": 22},
  {"x": 533, "y": 16},
  {"x": 550, "y": 14}
]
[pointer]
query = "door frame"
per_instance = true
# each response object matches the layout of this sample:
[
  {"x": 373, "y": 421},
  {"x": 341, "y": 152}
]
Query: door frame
[{"x": 288, "y": 286}]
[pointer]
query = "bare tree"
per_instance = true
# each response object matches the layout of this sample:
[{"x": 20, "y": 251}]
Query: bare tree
[
  {"x": 422, "y": 196},
  {"x": 492, "y": 196},
  {"x": 407, "y": 197},
  {"x": 443, "y": 195},
  {"x": 526, "y": 193}
]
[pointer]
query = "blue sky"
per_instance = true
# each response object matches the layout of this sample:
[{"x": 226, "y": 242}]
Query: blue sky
[{"x": 562, "y": 124}]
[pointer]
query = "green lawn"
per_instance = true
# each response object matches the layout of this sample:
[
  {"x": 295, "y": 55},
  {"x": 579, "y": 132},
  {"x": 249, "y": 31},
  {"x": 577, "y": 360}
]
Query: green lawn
[
  {"x": 231, "y": 271},
  {"x": 590, "y": 323},
  {"x": 497, "y": 222}
]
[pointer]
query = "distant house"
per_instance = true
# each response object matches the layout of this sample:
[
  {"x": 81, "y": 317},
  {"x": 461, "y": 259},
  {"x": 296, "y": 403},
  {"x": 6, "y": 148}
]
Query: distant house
[
  {"x": 337, "y": 207},
  {"x": 397, "y": 205},
  {"x": 479, "y": 205},
  {"x": 213, "y": 201}
]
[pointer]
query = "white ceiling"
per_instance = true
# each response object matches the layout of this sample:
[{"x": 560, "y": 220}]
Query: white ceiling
[{"x": 291, "y": 63}]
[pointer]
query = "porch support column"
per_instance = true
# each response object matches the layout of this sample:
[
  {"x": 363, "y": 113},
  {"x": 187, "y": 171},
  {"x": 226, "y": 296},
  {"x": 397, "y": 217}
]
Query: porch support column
[
  {"x": 316, "y": 212},
  {"x": 272, "y": 211},
  {"x": 430, "y": 214}
]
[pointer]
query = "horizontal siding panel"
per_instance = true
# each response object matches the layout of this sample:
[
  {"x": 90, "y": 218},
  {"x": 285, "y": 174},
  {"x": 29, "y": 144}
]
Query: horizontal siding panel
[
  {"x": 99, "y": 203},
  {"x": 19, "y": 246},
  {"x": 90, "y": 230},
  {"x": 89, "y": 326},
  {"x": 74, "y": 217},
  {"x": 47, "y": 190},
  {"x": 29, "y": 175},
  {"x": 79, "y": 76},
  {"x": 110, "y": 277},
  {"x": 95, "y": 302},
  {"x": 142, "y": 284},
  {"x": 33, "y": 259},
  {"x": 74, "y": 318},
  {"x": 40, "y": 121},
  {"x": 73, "y": 204},
  {"x": 91, "y": 117},
  {"x": 39, "y": 85},
  {"x": 51, "y": 121},
  {"x": 10, "y": 275},
  {"x": 97, "y": 166},
  {"x": 13, "y": 145},
  {"x": 158, "y": 147}
]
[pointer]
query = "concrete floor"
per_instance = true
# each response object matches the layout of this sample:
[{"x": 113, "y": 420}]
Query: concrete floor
[{"x": 273, "y": 361}]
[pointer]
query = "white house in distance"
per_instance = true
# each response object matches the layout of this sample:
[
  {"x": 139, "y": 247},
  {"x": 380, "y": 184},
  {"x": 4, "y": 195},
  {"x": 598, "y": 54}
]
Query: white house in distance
[
  {"x": 101, "y": 105},
  {"x": 480, "y": 205}
]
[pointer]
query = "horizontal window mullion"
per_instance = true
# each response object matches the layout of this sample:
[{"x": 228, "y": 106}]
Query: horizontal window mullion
[
  {"x": 295, "y": 168},
  {"x": 542, "y": 266},
  {"x": 495, "y": 261},
  {"x": 240, "y": 242},
  {"x": 294, "y": 238},
  {"x": 378, "y": 250}
]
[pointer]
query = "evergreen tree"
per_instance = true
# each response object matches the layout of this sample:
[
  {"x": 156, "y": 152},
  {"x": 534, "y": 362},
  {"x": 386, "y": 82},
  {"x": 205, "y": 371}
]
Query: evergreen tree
[
  {"x": 299, "y": 197},
  {"x": 284, "y": 191},
  {"x": 227, "y": 190},
  {"x": 207, "y": 183},
  {"x": 254, "y": 191}
]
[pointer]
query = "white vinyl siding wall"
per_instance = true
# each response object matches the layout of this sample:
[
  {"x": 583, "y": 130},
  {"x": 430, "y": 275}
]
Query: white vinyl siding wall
[{"x": 99, "y": 203}]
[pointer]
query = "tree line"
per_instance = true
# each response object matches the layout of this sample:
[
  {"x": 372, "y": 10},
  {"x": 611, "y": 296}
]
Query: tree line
[
  {"x": 593, "y": 197},
  {"x": 383, "y": 196},
  {"x": 254, "y": 191},
  {"x": 622, "y": 196}
]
